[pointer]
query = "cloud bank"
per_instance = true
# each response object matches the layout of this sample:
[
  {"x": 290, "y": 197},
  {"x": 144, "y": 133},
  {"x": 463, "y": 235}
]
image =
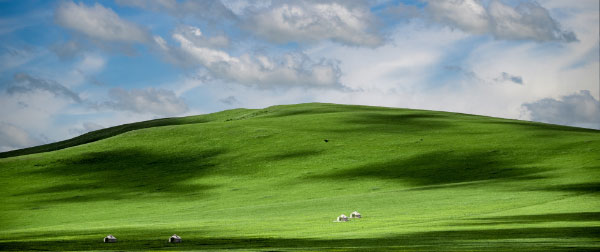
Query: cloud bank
[
  {"x": 315, "y": 21},
  {"x": 98, "y": 22},
  {"x": 504, "y": 76},
  {"x": 85, "y": 128},
  {"x": 527, "y": 21},
  {"x": 24, "y": 83},
  {"x": 579, "y": 109},
  {"x": 154, "y": 101},
  {"x": 13, "y": 137},
  {"x": 213, "y": 11},
  {"x": 293, "y": 69}
]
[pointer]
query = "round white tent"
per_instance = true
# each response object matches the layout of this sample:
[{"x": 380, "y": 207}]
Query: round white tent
[
  {"x": 355, "y": 214},
  {"x": 342, "y": 218},
  {"x": 110, "y": 239},
  {"x": 174, "y": 239}
]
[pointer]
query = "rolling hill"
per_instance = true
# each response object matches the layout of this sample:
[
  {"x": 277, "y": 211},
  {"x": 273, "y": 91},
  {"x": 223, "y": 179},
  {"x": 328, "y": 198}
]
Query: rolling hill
[{"x": 266, "y": 180}]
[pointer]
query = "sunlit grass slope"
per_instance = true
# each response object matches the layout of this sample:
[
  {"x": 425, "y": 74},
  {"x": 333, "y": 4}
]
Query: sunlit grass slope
[
  {"x": 113, "y": 131},
  {"x": 266, "y": 180}
]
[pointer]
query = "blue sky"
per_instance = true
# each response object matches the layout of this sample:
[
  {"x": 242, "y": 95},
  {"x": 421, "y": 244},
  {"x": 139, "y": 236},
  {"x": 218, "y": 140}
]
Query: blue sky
[{"x": 69, "y": 67}]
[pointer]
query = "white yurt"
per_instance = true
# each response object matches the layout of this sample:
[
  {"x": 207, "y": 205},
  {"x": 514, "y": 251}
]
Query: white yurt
[
  {"x": 174, "y": 239},
  {"x": 110, "y": 239},
  {"x": 342, "y": 218}
]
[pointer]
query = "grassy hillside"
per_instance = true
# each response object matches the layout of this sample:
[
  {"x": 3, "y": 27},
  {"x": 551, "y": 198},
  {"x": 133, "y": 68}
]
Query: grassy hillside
[
  {"x": 113, "y": 131},
  {"x": 267, "y": 180}
]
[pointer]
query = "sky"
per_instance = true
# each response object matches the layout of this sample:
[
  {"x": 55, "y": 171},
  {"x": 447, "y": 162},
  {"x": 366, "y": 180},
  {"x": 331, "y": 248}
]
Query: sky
[{"x": 70, "y": 67}]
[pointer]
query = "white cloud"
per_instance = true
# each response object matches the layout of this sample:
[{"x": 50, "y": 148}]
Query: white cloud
[
  {"x": 91, "y": 63},
  {"x": 588, "y": 5},
  {"x": 412, "y": 71},
  {"x": 155, "y": 5},
  {"x": 253, "y": 70},
  {"x": 24, "y": 83},
  {"x": 213, "y": 11},
  {"x": 194, "y": 34},
  {"x": 34, "y": 112},
  {"x": 98, "y": 22},
  {"x": 243, "y": 7},
  {"x": 85, "y": 128},
  {"x": 468, "y": 15},
  {"x": 11, "y": 57},
  {"x": 81, "y": 71},
  {"x": 13, "y": 137},
  {"x": 68, "y": 50},
  {"x": 316, "y": 21},
  {"x": 526, "y": 21},
  {"x": 229, "y": 100},
  {"x": 404, "y": 65},
  {"x": 504, "y": 76},
  {"x": 579, "y": 109},
  {"x": 90, "y": 126},
  {"x": 548, "y": 71},
  {"x": 152, "y": 101}
]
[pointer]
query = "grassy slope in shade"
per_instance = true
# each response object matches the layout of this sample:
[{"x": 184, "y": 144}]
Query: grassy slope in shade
[{"x": 266, "y": 180}]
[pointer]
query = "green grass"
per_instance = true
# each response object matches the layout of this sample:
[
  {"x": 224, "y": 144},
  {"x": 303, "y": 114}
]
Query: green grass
[{"x": 266, "y": 180}]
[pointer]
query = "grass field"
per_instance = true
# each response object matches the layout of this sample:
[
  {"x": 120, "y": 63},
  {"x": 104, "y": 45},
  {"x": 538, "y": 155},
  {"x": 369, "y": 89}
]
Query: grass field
[{"x": 265, "y": 180}]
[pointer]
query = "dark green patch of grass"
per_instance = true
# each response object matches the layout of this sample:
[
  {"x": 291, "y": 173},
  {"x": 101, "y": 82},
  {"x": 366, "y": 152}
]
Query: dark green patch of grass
[
  {"x": 533, "y": 239},
  {"x": 442, "y": 167}
]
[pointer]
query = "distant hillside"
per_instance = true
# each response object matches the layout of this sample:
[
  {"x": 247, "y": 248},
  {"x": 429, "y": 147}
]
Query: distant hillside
[{"x": 116, "y": 130}]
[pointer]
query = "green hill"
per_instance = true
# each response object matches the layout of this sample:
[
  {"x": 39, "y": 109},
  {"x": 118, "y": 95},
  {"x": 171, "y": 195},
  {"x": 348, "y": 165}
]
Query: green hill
[{"x": 267, "y": 180}]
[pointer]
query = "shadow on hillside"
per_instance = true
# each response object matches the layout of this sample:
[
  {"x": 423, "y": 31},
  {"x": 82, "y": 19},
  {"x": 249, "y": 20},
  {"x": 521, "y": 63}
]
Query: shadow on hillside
[
  {"x": 590, "y": 187},
  {"x": 534, "y": 219},
  {"x": 394, "y": 123},
  {"x": 514, "y": 239},
  {"x": 119, "y": 174},
  {"x": 439, "y": 168},
  {"x": 314, "y": 109}
]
